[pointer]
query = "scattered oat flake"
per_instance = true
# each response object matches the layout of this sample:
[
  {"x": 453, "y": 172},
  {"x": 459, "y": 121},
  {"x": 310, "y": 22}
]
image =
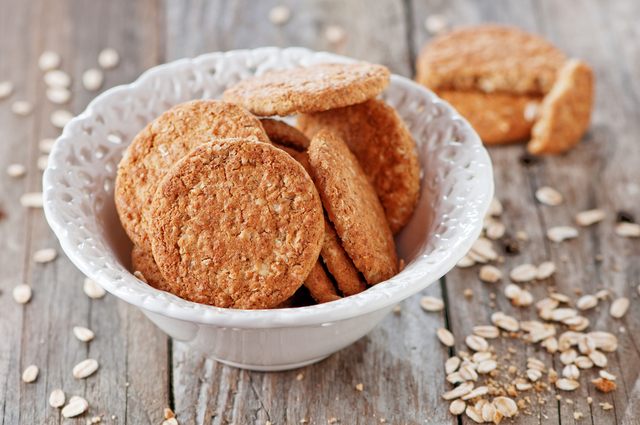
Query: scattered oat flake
[
  {"x": 560, "y": 233},
  {"x": 457, "y": 407},
  {"x": 598, "y": 358},
  {"x": 58, "y": 95},
  {"x": 92, "y": 79},
  {"x": 279, "y": 15},
  {"x": 451, "y": 365},
  {"x": 57, "y": 398},
  {"x": 43, "y": 162},
  {"x": 577, "y": 415},
  {"x": 22, "y": 293},
  {"x": 108, "y": 58},
  {"x": 476, "y": 343},
  {"x": 430, "y": 303},
  {"x": 606, "y": 375},
  {"x": 299, "y": 377},
  {"x": 506, "y": 406},
  {"x": 619, "y": 307},
  {"x": 445, "y": 337},
  {"x": 476, "y": 392},
  {"x": 32, "y": 200},
  {"x": 335, "y": 34},
  {"x": 512, "y": 291},
  {"x": 45, "y": 255},
  {"x": 60, "y": 118},
  {"x": 57, "y": 79},
  {"x": 467, "y": 292},
  {"x": 495, "y": 230},
  {"x": 490, "y": 274},
  {"x": 30, "y": 373},
  {"x": 523, "y": 273},
  {"x": 567, "y": 384},
  {"x": 571, "y": 371},
  {"x": 170, "y": 421},
  {"x": 436, "y": 24},
  {"x": 92, "y": 289},
  {"x": 545, "y": 270},
  {"x": 332, "y": 421},
  {"x": 466, "y": 261},
  {"x": 77, "y": 405},
  {"x": 49, "y": 60},
  {"x": 560, "y": 314},
  {"x": 628, "y": 230},
  {"x": 486, "y": 331},
  {"x": 587, "y": 218},
  {"x": 22, "y": 108},
  {"x": 495, "y": 208},
  {"x": 168, "y": 413},
  {"x": 586, "y": 302},
  {"x": 82, "y": 333},
  {"x": 85, "y": 368},
  {"x": 505, "y": 322},
  {"x": 359, "y": 387},
  {"x": 482, "y": 250},
  {"x": 6, "y": 89},
  {"x": 549, "y": 196},
  {"x": 459, "y": 391},
  {"x": 521, "y": 235},
  {"x": 16, "y": 170}
]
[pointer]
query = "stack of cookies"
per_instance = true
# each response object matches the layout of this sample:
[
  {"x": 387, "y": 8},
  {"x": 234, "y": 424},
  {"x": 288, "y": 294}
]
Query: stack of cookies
[
  {"x": 510, "y": 85},
  {"x": 231, "y": 210}
]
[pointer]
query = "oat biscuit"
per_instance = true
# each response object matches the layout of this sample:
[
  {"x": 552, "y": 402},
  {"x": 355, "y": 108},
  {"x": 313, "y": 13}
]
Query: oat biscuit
[
  {"x": 496, "y": 117},
  {"x": 294, "y": 153},
  {"x": 565, "y": 112},
  {"x": 378, "y": 137},
  {"x": 236, "y": 223},
  {"x": 281, "y": 133},
  {"x": 315, "y": 88},
  {"x": 163, "y": 142},
  {"x": 145, "y": 264},
  {"x": 489, "y": 58},
  {"x": 353, "y": 207},
  {"x": 320, "y": 285},
  {"x": 339, "y": 264}
]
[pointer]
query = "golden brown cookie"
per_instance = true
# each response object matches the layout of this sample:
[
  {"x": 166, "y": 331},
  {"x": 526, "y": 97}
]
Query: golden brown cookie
[
  {"x": 489, "y": 58},
  {"x": 378, "y": 137},
  {"x": 145, "y": 264},
  {"x": 163, "y": 142},
  {"x": 353, "y": 207},
  {"x": 320, "y": 285},
  {"x": 311, "y": 89},
  {"x": 565, "y": 112},
  {"x": 281, "y": 133},
  {"x": 294, "y": 153},
  {"x": 236, "y": 223},
  {"x": 496, "y": 117},
  {"x": 339, "y": 264}
]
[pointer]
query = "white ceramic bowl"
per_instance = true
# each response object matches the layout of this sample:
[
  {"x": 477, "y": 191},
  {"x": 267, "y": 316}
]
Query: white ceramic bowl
[{"x": 456, "y": 189}]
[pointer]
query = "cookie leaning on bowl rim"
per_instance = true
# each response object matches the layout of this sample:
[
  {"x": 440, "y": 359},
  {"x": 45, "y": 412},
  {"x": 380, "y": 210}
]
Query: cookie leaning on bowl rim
[
  {"x": 309, "y": 89},
  {"x": 236, "y": 223},
  {"x": 163, "y": 142}
]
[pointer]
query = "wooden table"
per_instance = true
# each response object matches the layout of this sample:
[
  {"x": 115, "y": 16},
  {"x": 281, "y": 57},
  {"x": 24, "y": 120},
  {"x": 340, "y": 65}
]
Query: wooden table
[{"x": 400, "y": 363}]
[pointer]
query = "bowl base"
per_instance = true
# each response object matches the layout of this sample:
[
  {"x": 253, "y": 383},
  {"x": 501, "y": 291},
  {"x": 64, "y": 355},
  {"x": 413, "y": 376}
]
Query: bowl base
[{"x": 271, "y": 368}]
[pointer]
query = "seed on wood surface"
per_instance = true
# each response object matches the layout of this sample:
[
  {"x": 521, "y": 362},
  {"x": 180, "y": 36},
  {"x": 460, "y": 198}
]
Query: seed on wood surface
[
  {"x": 549, "y": 196},
  {"x": 85, "y": 368},
  {"x": 92, "y": 289},
  {"x": 32, "y": 200},
  {"x": 586, "y": 344},
  {"x": 484, "y": 248},
  {"x": 468, "y": 372},
  {"x": 174, "y": 421},
  {"x": 568, "y": 356},
  {"x": 455, "y": 378},
  {"x": 577, "y": 415},
  {"x": 571, "y": 371},
  {"x": 466, "y": 261},
  {"x": 49, "y": 60},
  {"x": 360, "y": 387},
  {"x": 43, "y": 162},
  {"x": 490, "y": 274},
  {"x": 58, "y": 95},
  {"x": 475, "y": 416},
  {"x": 525, "y": 299},
  {"x": 467, "y": 292},
  {"x": 568, "y": 339},
  {"x": 553, "y": 376},
  {"x": 436, "y": 24},
  {"x": 531, "y": 325},
  {"x": 279, "y": 15},
  {"x": 30, "y": 373},
  {"x": 108, "y": 58},
  {"x": 335, "y": 34},
  {"x": 605, "y": 405},
  {"x": 587, "y": 218},
  {"x": 495, "y": 230},
  {"x": 6, "y": 88},
  {"x": 299, "y": 377},
  {"x": 22, "y": 108},
  {"x": 57, "y": 398},
  {"x": 606, "y": 375},
  {"x": 457, "y": 407},
  {"x": 430, "y": 303},
  {"x": 22, "y": 293},
  {"x": 445, "y": 337},
  {"x": 522, "y": 235},
  {"x": 524, "y": 273},
  {"x": 56, "y": 79},
  {"x": 83, "y": 334},
  {"x": 141, "y": 277},
  {"x": 495, "y": 208},
  {"x": 486, "y": 331},
  {"x": 523, "y": 386},
  {"x": 559, "y": 233},
  {"x": 487, "y": 366},
  {"x": 476, "y": 392},
  {"x": 586, "y": 302},
  {"x": 77, "y": 405},
  {"x": 531, "y": 111},
  {"x": 602, "y": 294},
  {"x": 559, "y": 314},
  {"x": 92, "y": 79},
  {"x": 551, "y": 344},
  {"x": 506, "y": 406},
  {"x": 545, "y": 270},
  {"x": 477, "y": 258},
  {"x": 565, "y": 384},
  {"x": 60, "y": 118},
  {"x": 604, "y": 340},
  {"x": 459, "y": 391},
  {"x": 45, "y": 255},
  {"x": 476, "y": 343},
  {"x": 583, "y": 362},
  {"x": 505, "y": 322},
  {"x": 619, "y": 307},
  {"x": 547, "y": 303},
  {"x": 534, "y": 374},
  {"x": 512, "y": 291},
  {"x": 598, "y": 358},
  {"x": 604, "y": 385},
  {"x": 451, "y": 365},
  {"x": 560, "y": 297},
  {"x": 45, "y": 145},
  {"x": 16, "y": 170},
  {"x": 577, "y": 323},
  {"x": 533, "y": 363},
  {"x": 628, "y": 230}
]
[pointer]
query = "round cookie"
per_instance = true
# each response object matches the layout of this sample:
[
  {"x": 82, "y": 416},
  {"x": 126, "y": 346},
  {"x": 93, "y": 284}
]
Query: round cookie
[
  {"x": 339, "y": 264},
  {"x": 489, "y": 58},
  {"x": 353, "y": 207},
  {"x": 163, "y": 142},
  {"x": 320, "y": 285},
  {"x": 496, "y": 117},
  {"x": 378, "y": 137},
  {"x": 237, "y": 224},
  {"x": 309, "y": 89},
  {"x": 281, "y": 133},
  {"x": 565, "y": 112},
  {"x": 144, "y": 263}
]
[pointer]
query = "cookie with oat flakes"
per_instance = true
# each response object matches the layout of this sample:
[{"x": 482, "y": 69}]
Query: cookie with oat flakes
[
  {"x": 353, "y": 207},
  {"x": 377, "y": 136},
  {"x": 144, "y": 263},
  {"x": 320, "y": 285},
  {"x": 236, "y": 223},
  {"x": 309, "y": 89},
  {"x": 163, "y": 142},
  {"x": 339, "y": 264},
  {"x": 281, "y": 133},
  {"x": 565, "y": 112}
]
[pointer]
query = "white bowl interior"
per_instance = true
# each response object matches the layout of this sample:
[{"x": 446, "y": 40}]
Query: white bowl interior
[{"x": 456, "y": 187}]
